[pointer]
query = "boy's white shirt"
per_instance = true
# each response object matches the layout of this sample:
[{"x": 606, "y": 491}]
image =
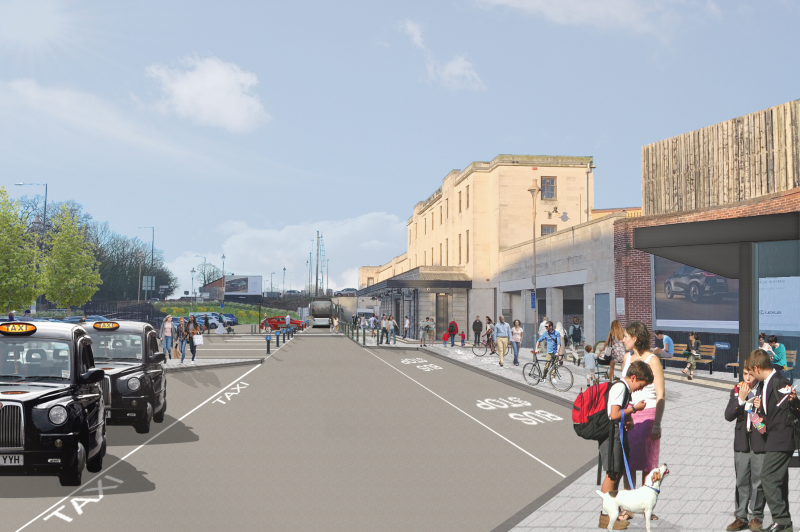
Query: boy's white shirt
[{"x": 615, "y": 397}]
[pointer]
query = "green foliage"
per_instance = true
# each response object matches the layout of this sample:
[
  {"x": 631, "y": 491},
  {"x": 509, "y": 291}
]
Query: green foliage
[
  {"x": 70, "y": 268},
  {"x": 19, "y": 257},
  {"x": 246, "y": 314}
]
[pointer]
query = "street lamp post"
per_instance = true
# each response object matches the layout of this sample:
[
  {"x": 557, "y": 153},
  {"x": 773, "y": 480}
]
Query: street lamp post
[
  {"x": 44, "y": 217},
  {"x": 192, "y": 303},
  {"x": 222, "y": 303},
  {"x": 152, "y": 249},
  {"x": 284, "y": 282},
  {"x": 534, "y": 190}
]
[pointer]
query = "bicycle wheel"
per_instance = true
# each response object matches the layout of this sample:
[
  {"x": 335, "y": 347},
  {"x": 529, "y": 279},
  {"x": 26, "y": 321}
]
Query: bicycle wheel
[
  {"x": 561, "y": 378},
  {"x": 480, "y": 349},
  {"x": 531, "y": 373}
]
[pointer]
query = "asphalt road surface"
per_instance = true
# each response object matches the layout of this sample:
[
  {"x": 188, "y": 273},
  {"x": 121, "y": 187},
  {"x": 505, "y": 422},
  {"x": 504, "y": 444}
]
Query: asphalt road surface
[{"x": 325, "y": 435}]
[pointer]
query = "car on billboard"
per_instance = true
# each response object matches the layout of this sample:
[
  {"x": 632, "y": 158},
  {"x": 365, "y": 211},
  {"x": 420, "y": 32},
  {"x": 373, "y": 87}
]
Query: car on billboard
[
  {"x": 695, "y": 284},
  {"x": 236, "y": 285},
  {"x": 346, "y": 292}
]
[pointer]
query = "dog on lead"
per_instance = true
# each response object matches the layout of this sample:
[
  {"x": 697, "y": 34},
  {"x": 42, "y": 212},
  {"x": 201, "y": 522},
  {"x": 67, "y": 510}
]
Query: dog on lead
[{"x": 642, "y": 499}]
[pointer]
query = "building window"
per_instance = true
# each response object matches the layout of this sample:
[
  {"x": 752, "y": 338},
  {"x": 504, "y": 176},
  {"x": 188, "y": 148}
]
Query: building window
[
  {"x": 447, "y": 252},
  {"x": 441, "y": 263},
  {"x": 548, "y": 229},
  {"x": 459, "y": 202},
  {"x": 467, "y": 196},
  {"x": 467, "y": 242},
  {"x": 548, "y": 188},
  {"x": 459, "y": 248},
  {"x": 440, "y": 215},
  {"x": 447, "y": 208},
  {"x": 370, "y": 281}
]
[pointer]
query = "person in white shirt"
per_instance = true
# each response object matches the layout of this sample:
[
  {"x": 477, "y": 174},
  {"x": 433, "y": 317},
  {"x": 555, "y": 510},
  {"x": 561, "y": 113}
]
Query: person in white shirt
[
  {"x": 542, "y": 331},
  {"x": 406, "y": 325}
]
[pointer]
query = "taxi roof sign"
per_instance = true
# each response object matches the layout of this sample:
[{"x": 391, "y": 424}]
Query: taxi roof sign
[
  {"x": 106, "y": 325},
  {"x": 17, "y": 328}
]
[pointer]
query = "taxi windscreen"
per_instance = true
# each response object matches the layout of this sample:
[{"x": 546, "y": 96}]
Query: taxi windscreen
[
  {"x": 29, "y": 358},
  {"x": 116, "y": 346}
]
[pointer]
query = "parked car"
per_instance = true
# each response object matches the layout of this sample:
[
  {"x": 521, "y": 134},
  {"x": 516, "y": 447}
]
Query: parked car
[
  {"x": 232, "y": 320},
  {"x": 694, "y": 284},
  {"x": 52, "y": 420},
  {"x": 135, "y": 382},
  {"x": 347, "y": 292},
  {"x": 213, "y": 319},
  {"x": 279, "y": 322},
  {"x": 291, "y": 293}
]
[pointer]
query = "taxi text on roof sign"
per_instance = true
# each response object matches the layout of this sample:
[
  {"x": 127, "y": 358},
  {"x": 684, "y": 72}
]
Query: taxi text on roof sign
[
  {"x": 17, "y": 328},
  {"x": 106, "y": 325}
]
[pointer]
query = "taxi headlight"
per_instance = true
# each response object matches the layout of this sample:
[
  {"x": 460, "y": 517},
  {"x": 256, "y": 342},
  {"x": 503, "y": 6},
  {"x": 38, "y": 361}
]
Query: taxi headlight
[
  {"x": 134, "y": 384},
  {"x": 58, "y": 415}
]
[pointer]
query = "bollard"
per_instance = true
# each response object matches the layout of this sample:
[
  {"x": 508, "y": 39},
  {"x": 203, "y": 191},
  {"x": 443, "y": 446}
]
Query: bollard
[
  {"x": 278, "y": 339},
  {"x": 364, "y": 337},
  {"x": 268, "y": 339},
  {"x": 284, "y": 336}
]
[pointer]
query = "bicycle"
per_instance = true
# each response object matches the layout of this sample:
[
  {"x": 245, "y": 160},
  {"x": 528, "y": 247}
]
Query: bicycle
[
  {"x": 559, "y": 376},
  {"x": 482, "y": 348}
]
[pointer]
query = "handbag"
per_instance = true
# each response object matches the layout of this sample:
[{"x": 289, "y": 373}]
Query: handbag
[
  {"x": 176, "y": 353},
  {"x": 197, "y": 339}
]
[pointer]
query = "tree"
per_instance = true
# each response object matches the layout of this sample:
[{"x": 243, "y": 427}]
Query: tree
[
  {"x": 207, "y": 273},
  {"x": 19, "y": 257},
  {"x": 70, "y": 267}
]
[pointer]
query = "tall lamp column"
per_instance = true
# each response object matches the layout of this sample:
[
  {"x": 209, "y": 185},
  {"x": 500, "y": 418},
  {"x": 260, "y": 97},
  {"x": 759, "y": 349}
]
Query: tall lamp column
[{"x": 534, "y": 190}]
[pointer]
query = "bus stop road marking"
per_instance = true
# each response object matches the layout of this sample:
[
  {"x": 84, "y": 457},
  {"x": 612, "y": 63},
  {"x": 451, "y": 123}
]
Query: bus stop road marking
[{"x": 469, "y": 416}]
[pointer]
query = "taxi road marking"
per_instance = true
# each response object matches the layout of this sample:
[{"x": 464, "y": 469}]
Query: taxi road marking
[
  {"x": 231, "y": 385},
  {"x": 79, "y": 502},
  {"x": 469, "y": 416},
  {"x": 228, "y": 394}
]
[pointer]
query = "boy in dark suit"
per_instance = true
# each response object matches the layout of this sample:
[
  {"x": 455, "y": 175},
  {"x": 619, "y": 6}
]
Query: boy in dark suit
[
  {"x": 775, "y": 399},
  {"x": 748, "y": 455}
]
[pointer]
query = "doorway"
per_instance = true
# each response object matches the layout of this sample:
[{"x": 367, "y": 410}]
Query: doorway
[
  {"x": 602, "y": 317},
  {"x": 442, "y": 315}
]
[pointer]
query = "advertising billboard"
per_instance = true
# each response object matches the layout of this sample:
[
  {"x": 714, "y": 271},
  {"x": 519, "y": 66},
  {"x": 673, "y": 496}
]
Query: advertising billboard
[
  {"x": 688, "y": 298},
  {"x": 243, "y": 285}
]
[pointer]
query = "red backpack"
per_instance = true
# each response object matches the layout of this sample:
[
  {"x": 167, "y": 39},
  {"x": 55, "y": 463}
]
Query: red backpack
[{"x": 589, "y": 413}]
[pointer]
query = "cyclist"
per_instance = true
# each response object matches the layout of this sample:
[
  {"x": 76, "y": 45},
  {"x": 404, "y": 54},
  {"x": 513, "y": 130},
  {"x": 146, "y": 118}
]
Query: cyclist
[
  {"x": 489, "y": 334},
  {"x": 553, "y": 340}
]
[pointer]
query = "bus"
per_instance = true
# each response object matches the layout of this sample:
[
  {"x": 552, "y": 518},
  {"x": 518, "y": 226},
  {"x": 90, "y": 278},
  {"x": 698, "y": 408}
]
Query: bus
[{"x": 320, "y": 312}]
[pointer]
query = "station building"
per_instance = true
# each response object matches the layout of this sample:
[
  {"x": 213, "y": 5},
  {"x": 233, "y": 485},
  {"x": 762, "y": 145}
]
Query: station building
[{"x": 470, "y": 248}]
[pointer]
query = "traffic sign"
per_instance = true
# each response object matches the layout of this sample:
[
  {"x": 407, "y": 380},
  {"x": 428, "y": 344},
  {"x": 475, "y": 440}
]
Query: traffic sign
[{"x": 533, "y": 299}]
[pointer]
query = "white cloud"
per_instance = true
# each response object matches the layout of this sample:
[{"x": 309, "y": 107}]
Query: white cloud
[
  {"x": 211, "y": 92},
  {"x": 254, "y": 251},
  {"x": 25, "y": 101},
  {"x": 458, "y": 73},
  {"x": 644, "y": 16},
  {"x": 39, "y": 24}
]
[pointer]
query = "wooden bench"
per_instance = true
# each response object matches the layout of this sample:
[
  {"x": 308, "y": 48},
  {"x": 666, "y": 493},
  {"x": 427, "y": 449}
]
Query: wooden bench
[
  {"x": 709, "y": 351},
  {"x": 791, "y": 360}
]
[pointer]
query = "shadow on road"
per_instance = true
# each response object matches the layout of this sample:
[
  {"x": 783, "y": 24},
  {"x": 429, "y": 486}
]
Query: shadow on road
[
  {"x": 133, "y": 481},
  {"x": 126, "y": 435},
  {"x": 197, "y": 379}
]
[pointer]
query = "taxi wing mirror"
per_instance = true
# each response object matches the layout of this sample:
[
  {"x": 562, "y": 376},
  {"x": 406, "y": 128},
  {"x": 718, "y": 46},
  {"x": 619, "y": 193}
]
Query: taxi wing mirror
[
  {"x": 92, "y": 376},
  {"x": 158, "y": 358}
]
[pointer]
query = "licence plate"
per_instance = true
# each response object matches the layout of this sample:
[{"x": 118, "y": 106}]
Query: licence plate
[{"x": 12, "y": 460}]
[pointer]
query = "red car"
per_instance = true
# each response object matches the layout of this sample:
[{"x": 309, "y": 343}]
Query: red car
[{"x": 279, "y": 322}]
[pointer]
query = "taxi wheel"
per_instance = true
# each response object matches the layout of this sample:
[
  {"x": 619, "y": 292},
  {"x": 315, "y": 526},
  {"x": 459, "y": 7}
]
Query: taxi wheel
[
  {"x": 142, "y": 426},
  {"x": 71, "y": 474},
  {"x": 95, "y": 465},
  {"x": 159, "y": 418}
]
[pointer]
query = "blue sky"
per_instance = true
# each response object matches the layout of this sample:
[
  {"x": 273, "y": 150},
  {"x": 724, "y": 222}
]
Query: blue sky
[{"x": 245, "y": 127}]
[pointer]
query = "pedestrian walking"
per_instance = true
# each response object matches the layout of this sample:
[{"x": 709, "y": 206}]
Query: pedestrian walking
[
  {"x": 477, "y": 328},
  {"x": 563, "y": 333},
  {"x": 645, "y": 437},
  {"x": 748, "y": 454},
  {"x": 335, "y": 324},
  {"x": 406, "y": 324},
  {"x": 182, "y": 336},
  {"x": 692, "y": 352},
  {"x": 589, "y": 366},
  {"x": 166, "y": 335},
  {"x": 576, "y": 339},
  {"x": 423, "y": 332},
  {"x": 392, "y": 324},
  {"x": 207, "y": 326},
  {"x": 516, "y": 340},
  {"x": 502, "y": 335},
  {"x": 373, "y": 324},
  {"x": 614, "y": 348},
  {"x": 384, "y": 330},
  {"x": 452, "y": 330},
  {"x": 773, "y": 407},
  {"x": 431, "y": 330},
  {"x": 194, "y": 333}
]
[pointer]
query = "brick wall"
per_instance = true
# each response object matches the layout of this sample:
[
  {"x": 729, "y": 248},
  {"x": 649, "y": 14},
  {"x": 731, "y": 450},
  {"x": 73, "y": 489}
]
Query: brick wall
[{"x": 632, "y": 267}]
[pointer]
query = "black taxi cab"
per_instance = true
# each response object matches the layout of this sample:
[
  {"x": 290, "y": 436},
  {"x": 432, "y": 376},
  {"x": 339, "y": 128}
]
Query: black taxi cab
[
  {"x": 52, "y": 416},
  {"x": 135, "y": 382}
]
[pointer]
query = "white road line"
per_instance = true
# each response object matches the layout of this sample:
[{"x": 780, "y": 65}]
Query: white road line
[
  {"x": 469, "y": 416},
  {"x": 106, "y": 469}
]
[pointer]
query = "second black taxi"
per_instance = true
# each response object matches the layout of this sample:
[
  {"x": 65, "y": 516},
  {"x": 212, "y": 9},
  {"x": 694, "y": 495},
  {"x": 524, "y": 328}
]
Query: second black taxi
[{"x": 135, "y": 382}]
